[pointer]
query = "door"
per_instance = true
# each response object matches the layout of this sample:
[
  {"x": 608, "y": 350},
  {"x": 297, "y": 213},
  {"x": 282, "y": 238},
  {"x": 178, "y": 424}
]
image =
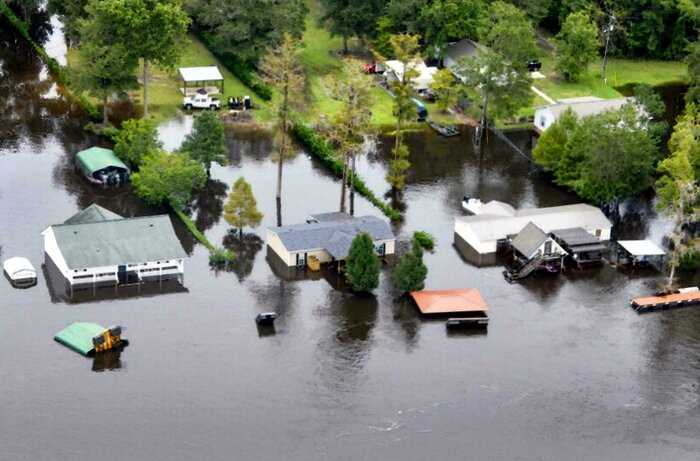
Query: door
[
  {"x": 301, "y": 259},
  {"x": 548, "y": 247},
  {"x": 121, "y": 274}
]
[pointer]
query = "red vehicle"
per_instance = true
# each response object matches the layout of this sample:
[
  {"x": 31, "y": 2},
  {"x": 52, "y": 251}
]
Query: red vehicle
[{"x": 369, "y": 68}]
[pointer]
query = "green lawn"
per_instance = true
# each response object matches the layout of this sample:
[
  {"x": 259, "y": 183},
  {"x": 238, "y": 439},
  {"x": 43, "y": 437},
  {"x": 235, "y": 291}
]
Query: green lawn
[
  {"x": 165, "y": 98},
  {"x": 619, "y": 72}
]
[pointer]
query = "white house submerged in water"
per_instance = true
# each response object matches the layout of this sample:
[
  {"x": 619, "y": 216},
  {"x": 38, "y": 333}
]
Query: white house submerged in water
[
  {"x": 327, "y": 238},
  {"x": 478, "y": 236},
  {"x": 99, "y": 247}
]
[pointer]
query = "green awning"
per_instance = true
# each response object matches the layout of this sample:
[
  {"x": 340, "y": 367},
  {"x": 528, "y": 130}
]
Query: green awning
[
  {"x": 98, "y": 158},
  {"x": 78, "y": 336}
]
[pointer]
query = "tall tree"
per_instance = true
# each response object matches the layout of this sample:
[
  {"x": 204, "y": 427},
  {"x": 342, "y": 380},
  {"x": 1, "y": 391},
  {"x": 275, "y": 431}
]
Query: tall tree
[
  {"x": 509, "y": 33},
  {"x": 281, "y": 70},
  {"x": 207, "y": 142},
  {"x": 552, "y": 144},
  {"x": 153, "y": 30},
  {"x": 362, "y": 265},
  {"x": 577, "y": 45},
  {"x": 247, "y": 28},
  {"x": 655, "y": 108},
  {"x": 537, "y": 10},
  {"x": 405, "y": 48},
  {"x": 168, "y": 179},
  {"x": 446, "y": 91},
  {"x": 693, "y": 61},
  {"x": 241, "y": 209},
  {"x": 351, "y": 18},
  {"x": 677, "y": 187},
  {"x": 504, "y": 89},
  {"x": 70, "y": 12},
  {"x": 351, "y": 125},
  {"x": 106, "y": 70},
  {"x": 136, "y": 139},
  {"x": 450, "y": 20}
]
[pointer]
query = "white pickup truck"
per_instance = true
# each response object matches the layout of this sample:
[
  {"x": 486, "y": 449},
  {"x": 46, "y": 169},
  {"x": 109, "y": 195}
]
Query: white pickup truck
[{"x": 200, "y": 101}]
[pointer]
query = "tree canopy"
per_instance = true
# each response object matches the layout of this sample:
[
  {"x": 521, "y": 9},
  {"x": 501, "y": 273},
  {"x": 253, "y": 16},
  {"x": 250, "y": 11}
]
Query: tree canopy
[
  {"x": 577, "y": 45},
  {"x": 136, "y": 139},
  {"x": 168, "y": 179},
  {"x": 241, "y": 209},
  {"x": 247, "y": 28},
  {"x": 362, "y": 265},
  {"x": 510, "y": 33},
  {"x": 351, "y": 18},
  {"x": 443, "y": 21},
  {"x": 207, "y": 142}
]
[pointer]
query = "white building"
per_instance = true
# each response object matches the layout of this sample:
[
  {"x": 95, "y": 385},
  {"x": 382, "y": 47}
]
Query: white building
[
  {"x": 395, "y": 70},
  {"x": 328, "y": 238},
  {"x": 479, "y": 236},
  {"x": 99, "y": 247},
  {"x": 586, "y": 106}
]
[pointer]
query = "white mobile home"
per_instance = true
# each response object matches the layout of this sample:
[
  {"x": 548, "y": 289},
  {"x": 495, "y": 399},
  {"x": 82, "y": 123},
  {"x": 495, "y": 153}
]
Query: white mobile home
[
  {"x": 586, "y": 106},
  {"x": 327, "y": 238},
  {"x": 99, "y": 247},
  {"x": 479, "y": 236}
]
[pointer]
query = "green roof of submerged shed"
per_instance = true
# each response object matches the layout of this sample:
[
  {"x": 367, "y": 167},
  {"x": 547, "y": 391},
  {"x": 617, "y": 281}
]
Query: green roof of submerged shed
[
  {"x": 98, "y": 158},
  {"x": 78, "y": 336}
]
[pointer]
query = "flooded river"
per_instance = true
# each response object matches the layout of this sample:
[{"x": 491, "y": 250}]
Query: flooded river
[{"x": 566, "y": 371}]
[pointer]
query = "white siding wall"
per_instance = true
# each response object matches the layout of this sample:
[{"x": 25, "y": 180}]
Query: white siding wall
[
  {"x": 51, "y": 249},
  {"x": 556, "y": 249},
  {"x": 275, "y": 243}
]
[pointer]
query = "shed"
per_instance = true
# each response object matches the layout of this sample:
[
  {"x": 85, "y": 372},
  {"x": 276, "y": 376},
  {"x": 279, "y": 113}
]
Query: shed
[
  {"x": 207, "y": 77},
  {"x": 78, "y": 336},
  {"x": 436, "y": 302},
  {"x": 639, "y": 252},
  {"x": 582, "y": 246},
  {"x": 102, "y": 166}
]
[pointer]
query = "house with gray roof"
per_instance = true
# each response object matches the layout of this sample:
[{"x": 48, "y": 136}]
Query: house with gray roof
[
  {"x": 97, "y": 246},
  {"x": 456, "y": 52},
  {"x": 327, "y": 238},
  {"x": 532, "y": 242}
]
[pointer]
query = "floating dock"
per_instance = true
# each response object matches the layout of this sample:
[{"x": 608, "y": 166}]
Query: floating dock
[{"x": 685, "y": 297}]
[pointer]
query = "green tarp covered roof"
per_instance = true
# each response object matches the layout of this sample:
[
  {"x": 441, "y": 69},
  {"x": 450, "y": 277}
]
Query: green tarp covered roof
[
  {"x": 97, "y": 158},
  {"x": 78, "y": 336},
  {"x": 118, "y": 242},
  {"x": 93, "y": 213}
]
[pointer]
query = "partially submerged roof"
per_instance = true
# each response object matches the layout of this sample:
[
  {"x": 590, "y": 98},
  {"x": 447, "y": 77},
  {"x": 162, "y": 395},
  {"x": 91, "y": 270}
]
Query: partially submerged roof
[
  {"x": 578, "y": 239},
  {"x": 586, "y": 107},
  {"x": 93, "y": 213},
  {"x": 529, "y": 239},
  {"x": 332, "y": 236},
  {"x": 118, "y": 242},
  {"x": 641, "y": 247},
  {"x": 78, "y": 336},
  {"x": 98, "y": 158},
  {"x": 200, "y": 74},
  {"x": 449, "y": 301},
  {"x": 493, "y": 227}
]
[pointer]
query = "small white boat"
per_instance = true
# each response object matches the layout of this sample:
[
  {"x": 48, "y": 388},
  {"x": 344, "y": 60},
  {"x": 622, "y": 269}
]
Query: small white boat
[
  {"x": 20, "y": 272},
  {"x": 471, "y": 205}
]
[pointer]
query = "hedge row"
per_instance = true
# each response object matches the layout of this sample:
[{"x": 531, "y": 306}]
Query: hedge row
[
  {"x": 55, "y": 68},
  {"x": 321, "y": 149},
  {"x": 237, "y": 67}
]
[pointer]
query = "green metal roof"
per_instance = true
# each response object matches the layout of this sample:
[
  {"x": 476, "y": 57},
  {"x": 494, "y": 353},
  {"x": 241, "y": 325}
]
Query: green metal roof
[
  {"x": 78, "y": 336},
  {"x": 93, "y": 213},
  {"x": 117, "y": 242},
  {"x": 97, "y": 158}
]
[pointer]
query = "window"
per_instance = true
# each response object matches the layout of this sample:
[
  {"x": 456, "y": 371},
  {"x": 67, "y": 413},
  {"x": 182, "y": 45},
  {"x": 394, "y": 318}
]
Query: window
[
  {"x": 82, "y": 277},
  {"x": 543, "y": 120},
  {"x": 598, "y": 233},
  {"x": 169, "y": 268},
  {"x": 548, "y": 247},
  {"x": 380, "y": 249}
]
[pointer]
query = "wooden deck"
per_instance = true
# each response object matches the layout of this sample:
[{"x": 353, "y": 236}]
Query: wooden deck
[{"x": 649, "y": 303}]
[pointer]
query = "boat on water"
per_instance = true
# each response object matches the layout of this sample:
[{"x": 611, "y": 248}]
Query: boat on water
[
  {"x": 20, "y": 272},
  {"x": 444, "y": 130}
]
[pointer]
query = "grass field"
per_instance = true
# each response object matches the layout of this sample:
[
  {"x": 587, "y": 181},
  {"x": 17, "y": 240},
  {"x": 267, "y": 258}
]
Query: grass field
[
  {"x": 619, "y": 72},
  {"x": 165, "y": 98}
]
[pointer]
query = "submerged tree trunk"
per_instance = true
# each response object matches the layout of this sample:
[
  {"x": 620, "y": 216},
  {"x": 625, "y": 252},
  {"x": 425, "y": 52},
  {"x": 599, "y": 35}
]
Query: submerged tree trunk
[
  {"x": 145, "y": 87},
  {"x": 282, "y": 154},
  {"x": 352, "y": 187},
  {"x": 343, "y": 184},
  {"x": 105, "y": 110}
]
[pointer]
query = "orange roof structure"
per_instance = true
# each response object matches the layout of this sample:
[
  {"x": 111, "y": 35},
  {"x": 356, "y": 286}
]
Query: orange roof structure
[{"x": 449, "y": 301}]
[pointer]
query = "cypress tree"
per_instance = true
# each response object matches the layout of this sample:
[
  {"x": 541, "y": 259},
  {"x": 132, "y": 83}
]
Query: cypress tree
[{"x": 362, "y": 265}]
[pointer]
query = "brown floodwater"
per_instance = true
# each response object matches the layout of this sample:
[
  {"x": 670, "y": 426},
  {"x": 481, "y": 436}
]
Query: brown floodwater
[{"x": 566, "y": 371}]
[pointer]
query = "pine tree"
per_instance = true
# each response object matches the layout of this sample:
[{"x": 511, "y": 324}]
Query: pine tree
[
  {"x": 207, "y": 142},
  {"x": 241, "y": 209},
  {"x": 362, "y": 265}
]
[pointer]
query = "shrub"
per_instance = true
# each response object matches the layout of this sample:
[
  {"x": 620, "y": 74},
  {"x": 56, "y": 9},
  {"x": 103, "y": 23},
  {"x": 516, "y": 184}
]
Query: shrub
[
  {"x": 424, "y": 240},
  {"x": 219, "y": 257},
  {"x": 409, "y": 274},
  {"x": 689, "y": 260}
]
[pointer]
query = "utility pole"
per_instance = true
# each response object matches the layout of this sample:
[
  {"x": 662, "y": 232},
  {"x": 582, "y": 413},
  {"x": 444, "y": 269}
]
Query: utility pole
[{"x": 608, "y": 30}]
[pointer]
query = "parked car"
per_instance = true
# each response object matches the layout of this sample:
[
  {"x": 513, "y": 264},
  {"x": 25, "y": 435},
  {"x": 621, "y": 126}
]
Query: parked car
[
  {"x": 534, "y": 65},
  {"x": 201, "y": 100},
  {"x": 20, "y": 272}
]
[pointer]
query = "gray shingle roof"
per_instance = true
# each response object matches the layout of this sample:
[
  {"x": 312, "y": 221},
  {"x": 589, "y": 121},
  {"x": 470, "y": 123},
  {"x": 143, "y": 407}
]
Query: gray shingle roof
[
  {"x": 332, "y": 216},
  {"x": 117, "y": 242},
  {"x": 529, "y": 239},
  {"x": 332, "y": 236},
  {"x": 575, "y": 236},
  {"x": 93, "y": 213}
]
